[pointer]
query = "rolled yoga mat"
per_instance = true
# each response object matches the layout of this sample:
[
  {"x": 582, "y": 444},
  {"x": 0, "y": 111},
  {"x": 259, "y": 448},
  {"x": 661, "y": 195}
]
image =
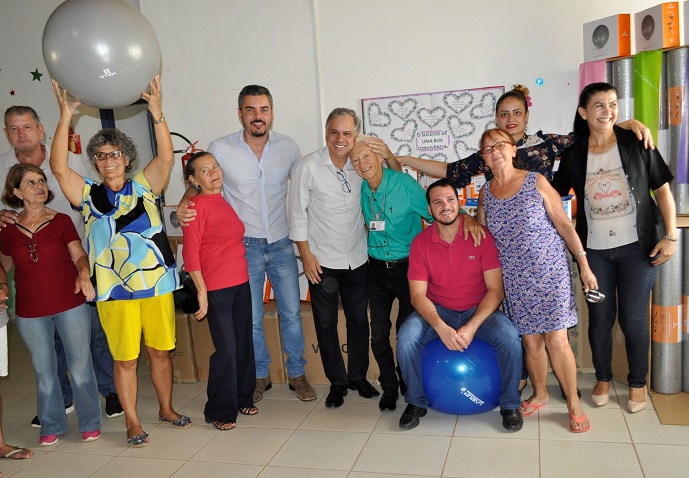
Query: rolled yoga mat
[
  {"x": 678, "y": 125},
  {"x": 620, "y": 74},
  {"x": 647, "y": 73},
  {"x": 685, "y": 308},
  {"x": 666, "y": 333}
]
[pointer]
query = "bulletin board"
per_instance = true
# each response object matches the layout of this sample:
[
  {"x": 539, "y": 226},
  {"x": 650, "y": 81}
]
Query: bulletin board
[{"x": 444, "y": 126}]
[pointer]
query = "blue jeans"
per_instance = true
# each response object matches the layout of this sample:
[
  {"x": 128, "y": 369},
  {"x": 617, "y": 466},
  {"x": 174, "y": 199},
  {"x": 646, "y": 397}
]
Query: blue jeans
[
  {"x": 74, "y": 326},
  {"x": 497, "y": 330},
  {"x": 100, "y": 355},
  {"x": 279, "y": 262},
  {"x": 626, "y": 278}
]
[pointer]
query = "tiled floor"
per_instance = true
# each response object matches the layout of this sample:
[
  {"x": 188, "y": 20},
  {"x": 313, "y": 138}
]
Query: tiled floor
[{"x": 289, "y": 438}]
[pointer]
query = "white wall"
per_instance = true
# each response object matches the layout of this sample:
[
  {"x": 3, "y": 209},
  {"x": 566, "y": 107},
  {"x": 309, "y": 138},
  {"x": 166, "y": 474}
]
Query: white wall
[{"x": 315, "y": 55}]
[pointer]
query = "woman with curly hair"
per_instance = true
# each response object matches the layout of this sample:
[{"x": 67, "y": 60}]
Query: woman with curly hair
[{"x": 132, "y": 265}]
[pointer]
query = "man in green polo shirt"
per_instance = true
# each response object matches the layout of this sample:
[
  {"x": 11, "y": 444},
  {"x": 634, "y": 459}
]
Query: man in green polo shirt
[{"x": 393, "y": 204}]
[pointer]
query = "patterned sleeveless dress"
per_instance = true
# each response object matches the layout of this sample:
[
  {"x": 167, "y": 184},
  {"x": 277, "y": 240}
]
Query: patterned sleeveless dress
[{"x": 535, "y": 268}]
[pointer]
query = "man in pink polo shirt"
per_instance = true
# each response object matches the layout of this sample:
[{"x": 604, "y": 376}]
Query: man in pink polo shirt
[{"x": 456, "y": 288}]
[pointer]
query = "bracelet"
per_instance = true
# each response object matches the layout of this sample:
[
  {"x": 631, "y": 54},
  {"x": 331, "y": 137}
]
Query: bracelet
[
  {"x": 670, "y": 239},
  {"x": 162, "y": 118},
  {"x": 582, "y": 253}
]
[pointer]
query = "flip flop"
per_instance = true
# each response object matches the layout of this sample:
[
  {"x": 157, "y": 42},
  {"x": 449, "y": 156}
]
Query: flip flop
[
  {"x": 24, "y": 452},
  {"x": 579, "y": 421},
  {"x": 528, "y": 408},
  {"x": 248, "y": 410}
]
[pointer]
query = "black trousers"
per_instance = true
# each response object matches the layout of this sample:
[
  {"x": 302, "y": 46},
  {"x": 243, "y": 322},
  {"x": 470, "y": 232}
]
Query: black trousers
[
  {"x": 387, "y": 281},
  {"x": 351, "y": 285},
  {"x": 231, "y": 371}
]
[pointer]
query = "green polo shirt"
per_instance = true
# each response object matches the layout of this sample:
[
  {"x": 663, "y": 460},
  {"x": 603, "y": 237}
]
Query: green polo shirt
[{"x": 401, "y": 202}]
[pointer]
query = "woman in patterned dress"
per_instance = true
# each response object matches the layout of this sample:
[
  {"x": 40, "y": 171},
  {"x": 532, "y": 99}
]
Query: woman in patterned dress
[{"x": 526, "y": 217}]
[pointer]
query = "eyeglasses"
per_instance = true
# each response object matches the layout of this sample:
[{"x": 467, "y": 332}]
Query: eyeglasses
[
  {"x": 33, "y": 250},
  {"x": 346, "y": 187},
  {"x": 499, "y": 146},
  {"x": 112, "y": 155}
]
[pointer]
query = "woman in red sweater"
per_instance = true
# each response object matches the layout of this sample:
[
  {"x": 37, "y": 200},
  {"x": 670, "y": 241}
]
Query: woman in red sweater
[{"x": 214, "y": 257}]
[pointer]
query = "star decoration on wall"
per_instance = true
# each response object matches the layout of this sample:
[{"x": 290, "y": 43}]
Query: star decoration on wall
[
  {"x": 11, "y": 92},
  {"x": 36, "y": 75}
]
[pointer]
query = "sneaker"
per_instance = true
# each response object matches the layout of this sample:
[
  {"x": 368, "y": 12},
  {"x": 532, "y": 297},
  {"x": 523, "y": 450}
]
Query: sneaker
[
  {"x": 47, "y": 440},
  {"x": 36, "y": 423},
  {"x": 90, "y": 436},
  {"x": 69, "y": 408},
  {"x": 112, "y": 405},
  {"x": 305, "y": 392}
]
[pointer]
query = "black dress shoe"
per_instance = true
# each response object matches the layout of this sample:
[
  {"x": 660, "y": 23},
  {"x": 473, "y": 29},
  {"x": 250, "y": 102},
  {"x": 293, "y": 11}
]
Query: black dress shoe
[
  {"x": 336, "y": 396},
  {"x": 410, "y": 416},
  {"x": 364, "y": 388},
  {"x": 389, "y": 400},
  {"x": 511, "y": 419}
]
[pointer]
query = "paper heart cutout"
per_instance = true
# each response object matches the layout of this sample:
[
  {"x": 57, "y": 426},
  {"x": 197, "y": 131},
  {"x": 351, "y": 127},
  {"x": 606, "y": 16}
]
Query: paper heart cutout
[
  {"x": 462, "y": 150},
  {"x": 403, "y": 150},
  {"x": 459, "y": 128},
  {"x": 377, "y": 117},
  {"x": 403, "y": 109},
  {"x": 406, "y": 132},
  {"x": 458, "y": 103},
  {"x": 485, "y": 108},
  {"x": 436, "y": 157},
  {"x": 431, "y": 118}
]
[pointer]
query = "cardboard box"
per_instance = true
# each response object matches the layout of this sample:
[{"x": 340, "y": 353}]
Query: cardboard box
[
  {"x": 607, "y": 38},
  {"x": 314, "y": 365},
  {"x": 657, "y": 27},
  {"x": 184, "y": 368},
  {"x": 183, "y": 361},
  {"x": 204, "y": 348}
]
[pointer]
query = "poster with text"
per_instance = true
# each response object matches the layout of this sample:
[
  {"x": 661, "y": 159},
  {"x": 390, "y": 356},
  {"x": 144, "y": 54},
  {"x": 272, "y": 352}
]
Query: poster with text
[{"x": 444, "y": 126}]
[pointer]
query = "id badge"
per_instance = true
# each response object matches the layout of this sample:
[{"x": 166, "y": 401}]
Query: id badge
[{"x": 376, "y": 226}]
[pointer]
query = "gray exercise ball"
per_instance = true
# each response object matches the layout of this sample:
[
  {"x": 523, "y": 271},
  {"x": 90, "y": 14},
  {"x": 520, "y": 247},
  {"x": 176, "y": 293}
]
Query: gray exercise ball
[{"x": 103, "y": 52}]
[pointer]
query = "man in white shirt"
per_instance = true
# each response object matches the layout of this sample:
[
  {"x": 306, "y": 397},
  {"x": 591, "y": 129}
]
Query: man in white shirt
[
  {"x": 325, "y": 222},
  {"x": 256, "y": 164},
  {"x": 25, "y": 133}
]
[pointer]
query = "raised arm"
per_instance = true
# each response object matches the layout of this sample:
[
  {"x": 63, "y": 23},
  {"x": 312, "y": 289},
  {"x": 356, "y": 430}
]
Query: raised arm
[
  {"x": 71, "y": 183},
  {"x": 427, "y": 166},
  {"x": 157, "y": 172},
  {"x": 641, "y": 131}
]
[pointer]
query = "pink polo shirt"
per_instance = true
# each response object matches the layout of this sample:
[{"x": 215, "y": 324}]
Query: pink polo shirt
[{"x": 454, "y": 272}]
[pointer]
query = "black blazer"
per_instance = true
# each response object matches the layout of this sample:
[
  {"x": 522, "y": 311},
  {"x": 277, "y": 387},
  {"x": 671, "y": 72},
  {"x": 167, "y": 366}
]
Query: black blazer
[{"x": 644, "y": 169}]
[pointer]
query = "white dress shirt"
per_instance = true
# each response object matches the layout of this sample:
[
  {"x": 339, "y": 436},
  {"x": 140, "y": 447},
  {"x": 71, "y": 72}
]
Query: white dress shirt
[
  {"x": 257, "y": 189},
  {"x": 321, "y": 212}
]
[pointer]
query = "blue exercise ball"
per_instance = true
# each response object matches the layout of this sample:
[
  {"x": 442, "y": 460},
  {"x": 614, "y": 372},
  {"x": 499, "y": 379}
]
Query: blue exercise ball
[
  {"x": 461, "y": 383},
  {"x": 103, "y": 52}
]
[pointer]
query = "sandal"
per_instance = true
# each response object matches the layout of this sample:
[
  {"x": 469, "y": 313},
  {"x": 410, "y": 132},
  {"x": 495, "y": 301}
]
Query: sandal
[
  {"x": 579, "y": 421},
  {"x": 248, "y": 411},
  {"x": 182, "y": 422},
  {"x": 221, "y": 425},
  {"x": 18, "y": 453},
  {"x": 139, "y": 440}
]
